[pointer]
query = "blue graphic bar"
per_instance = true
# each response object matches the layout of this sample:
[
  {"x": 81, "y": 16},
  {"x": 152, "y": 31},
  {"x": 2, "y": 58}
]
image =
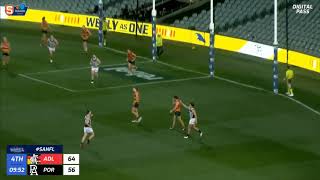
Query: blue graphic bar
[
  {"x": 34, "y": 149},
  {"x": 16, "y": 164}
]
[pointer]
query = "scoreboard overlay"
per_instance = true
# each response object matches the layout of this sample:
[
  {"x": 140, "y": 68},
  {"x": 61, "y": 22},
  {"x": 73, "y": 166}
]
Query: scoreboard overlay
[{"x": 41, "y": 160}]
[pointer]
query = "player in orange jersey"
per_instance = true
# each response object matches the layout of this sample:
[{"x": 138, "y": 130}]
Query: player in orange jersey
[
  {"x": 44, "y": 29},
  {"x": 177, "y": 112},
  {"x": 85, "y": 34},
  {"x": 5, "y": 49},
  {"x": 135, "y": 105},
  {"x": 131, "y": 58}
]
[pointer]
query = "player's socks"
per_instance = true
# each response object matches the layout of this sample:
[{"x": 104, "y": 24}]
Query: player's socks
[
  {"x": 200, "y": 133},
  {"x": 51, "y": 61},
  {"x": 139, "y": 119}
]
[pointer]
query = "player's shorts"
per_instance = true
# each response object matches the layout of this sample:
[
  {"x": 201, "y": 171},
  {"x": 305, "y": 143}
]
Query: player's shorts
[
  {"x": 192, "y": 121},
  {"x": 132, "y": 62},
  {"x": 44, "y": 31},
  {"x": 136, "y": 105},
  {"x": 289, "y": 81},
  {"x": 177, "y": 113},
  {"x": 85, "y": 40},
  {"x": 88, "y": 130},
  {"x": 95, "y": 69},
  {"x": 5, "y": 54},
  {"x": 105, "y": 32},
  {"x": 52, "y": 49}
]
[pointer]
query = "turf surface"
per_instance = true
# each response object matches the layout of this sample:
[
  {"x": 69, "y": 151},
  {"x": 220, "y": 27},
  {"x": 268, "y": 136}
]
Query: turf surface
[{"x": 250, "y": 134}]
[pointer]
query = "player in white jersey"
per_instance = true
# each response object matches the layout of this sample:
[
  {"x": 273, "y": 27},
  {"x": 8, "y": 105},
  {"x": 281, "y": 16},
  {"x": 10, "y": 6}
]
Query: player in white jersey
[
  {"x": 95, "y": 63},
  {"x": 88, "y": 133},
  {"x": 52, "y": 43},
  {"x": 193, "y": 119}
]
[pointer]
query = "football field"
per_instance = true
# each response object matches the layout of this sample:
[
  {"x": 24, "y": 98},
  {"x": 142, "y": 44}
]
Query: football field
[{"x": 249, "y": 133}]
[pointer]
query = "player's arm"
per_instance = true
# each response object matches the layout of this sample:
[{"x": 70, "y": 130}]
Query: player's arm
[
  {"x": 56, "y": 41},
  {"x": 89, "y": 32},
  {"x": 99, "y": 62},
  {"x": 285, "y": 77},
  {"x": 184, "y": 105}
]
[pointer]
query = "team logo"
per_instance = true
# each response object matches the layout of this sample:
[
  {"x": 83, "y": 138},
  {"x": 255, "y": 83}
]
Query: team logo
[
  {"x": 34, "y": 159},
  {"x": 33, "y": 170},
  {"x": 200, "y": 37},
  {"x": 19, "y": 10}
]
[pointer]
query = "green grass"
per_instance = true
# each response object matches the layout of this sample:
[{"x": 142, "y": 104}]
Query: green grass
[{"x": 249, "y": 134}]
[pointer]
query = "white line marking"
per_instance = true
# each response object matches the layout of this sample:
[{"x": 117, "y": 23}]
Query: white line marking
[
  {"x": 45, "y": 82},
  {"x": 143, "y": 84},
  {"x": 80, "y": 68},
  {"x": 227, "y": 80},
  {"x": 300, "y": 103}
]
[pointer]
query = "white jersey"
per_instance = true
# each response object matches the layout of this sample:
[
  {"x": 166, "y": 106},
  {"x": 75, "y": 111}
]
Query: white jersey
[
  {"x": 87, "y": 120},
  {"x": 191, "y": 114},
  {"x": 94, "y": 63},
  {"x": 52, "y": 43}
]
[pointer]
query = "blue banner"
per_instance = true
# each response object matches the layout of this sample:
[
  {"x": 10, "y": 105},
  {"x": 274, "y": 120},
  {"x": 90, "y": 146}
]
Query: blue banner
[{"x": 34, "y": 149}]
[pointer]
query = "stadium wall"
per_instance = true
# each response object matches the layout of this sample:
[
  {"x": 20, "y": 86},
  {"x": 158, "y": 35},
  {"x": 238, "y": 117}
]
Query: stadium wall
[{"x": 170, "y": 33}]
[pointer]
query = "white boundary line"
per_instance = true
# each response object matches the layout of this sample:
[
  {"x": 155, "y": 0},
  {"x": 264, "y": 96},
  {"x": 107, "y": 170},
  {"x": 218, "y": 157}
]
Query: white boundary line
[
  {"x": 158, "y": 82},
  {"x": 143, "y": 84},
  {"x": 227, "y": 80},
  {"x": 45, "y": 82},
  {"x": 79, "y": 68},
  {"x": 301, "y": 103}
]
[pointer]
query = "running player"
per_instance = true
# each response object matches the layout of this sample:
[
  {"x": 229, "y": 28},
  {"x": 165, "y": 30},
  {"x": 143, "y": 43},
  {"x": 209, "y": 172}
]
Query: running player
[
  {"x": 131, "y": 58},
  {"x": 85, "y": 34},
  {"x": 52, "y": 44},
  {"x": 135, "y": 105},
  {"x": 44, "y": 28},
  {"x": 289, "y": 78},
  {"x": 94, "y": 62},
  {"x": 193, "y": 119},
  {"x": 177, "y": 112},
  {"x": 88, "y": 133},
  {"x": 5, "y": 49}
]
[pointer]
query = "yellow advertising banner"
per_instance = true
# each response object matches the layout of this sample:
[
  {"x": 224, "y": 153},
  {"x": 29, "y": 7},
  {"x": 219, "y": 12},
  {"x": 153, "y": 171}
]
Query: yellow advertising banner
[{"x": 167, "y": 32}]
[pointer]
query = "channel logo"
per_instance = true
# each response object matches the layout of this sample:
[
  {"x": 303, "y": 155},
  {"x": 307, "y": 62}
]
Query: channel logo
[{"x": 19, "y": 10}]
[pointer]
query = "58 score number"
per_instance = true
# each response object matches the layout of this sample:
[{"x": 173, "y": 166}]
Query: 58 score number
[{"x": 72, "y": 169}]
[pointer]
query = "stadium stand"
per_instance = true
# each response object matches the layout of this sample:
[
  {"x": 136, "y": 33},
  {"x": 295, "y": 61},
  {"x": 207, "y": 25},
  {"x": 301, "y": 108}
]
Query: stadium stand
[
  {"x": 231, "y": 18},
  {"x": 257, "y": 25},
  {"x": 112, "y": 8}
]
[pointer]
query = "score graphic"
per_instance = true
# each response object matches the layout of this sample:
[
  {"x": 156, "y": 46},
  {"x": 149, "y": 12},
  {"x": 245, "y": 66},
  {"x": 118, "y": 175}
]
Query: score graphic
[{"x": 34, "y": 160}]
